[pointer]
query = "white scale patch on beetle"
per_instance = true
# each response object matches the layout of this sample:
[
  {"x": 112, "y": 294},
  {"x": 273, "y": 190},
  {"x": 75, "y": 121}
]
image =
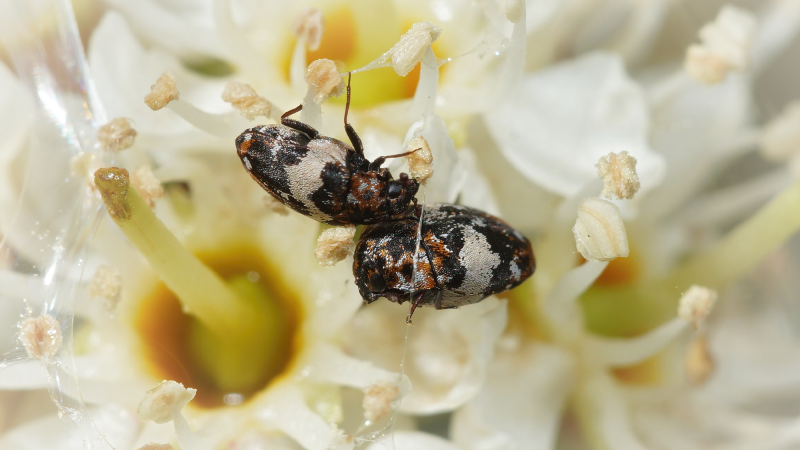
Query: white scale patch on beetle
[
  {"x": 247, "y": 163},
  {"x": 478, "y": 259}
]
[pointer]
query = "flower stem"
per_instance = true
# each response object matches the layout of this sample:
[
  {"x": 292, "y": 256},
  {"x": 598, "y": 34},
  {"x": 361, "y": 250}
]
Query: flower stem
[
  {"x": 201, "y": 292},
  {"x": 745, "y": 246}
]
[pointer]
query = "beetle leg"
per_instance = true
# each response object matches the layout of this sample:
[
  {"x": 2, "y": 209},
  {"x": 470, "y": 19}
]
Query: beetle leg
[
  {"x": 375, "y": 165},
  {"x": 417, "y": 301},
  {"x": 296, "y": 124}
]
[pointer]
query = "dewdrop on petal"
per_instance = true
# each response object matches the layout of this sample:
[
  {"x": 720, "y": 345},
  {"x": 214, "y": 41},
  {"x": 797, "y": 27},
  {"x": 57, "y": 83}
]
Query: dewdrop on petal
[
  {"x": 411, "y": 47},
  {"x": 326, "y": 79},
  {"x": 599, "y": 232},
  {"x": 116, "y": 135},
  {"x": 378, "y": 400},
  {"x": 618, "y": 172},
  {"x": 513, "y": 10},
  {"x": 148, "y": 185},
  {"x": 420, "y": 163},
  {"x": 310, "y": 25},
  {"x": 725, "y": 46},
  {"x": 699, "y": 363},
  {"x": 154, "y": 446},
  {"x": 164, "y": 401},
  {"x": 164, "y": 91},
  {"x": 106, "y": 285},
  {"x": 41, "y": 336},
  {"x": 696, "y": 304},
  {"x": 335, "y": 244},
  {"x": 244, "y": 99},
  {"x": 780, "y": 139}
]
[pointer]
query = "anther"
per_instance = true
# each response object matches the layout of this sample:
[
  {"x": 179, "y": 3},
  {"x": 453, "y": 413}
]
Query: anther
[
  {"x": 244, "y": 99},
  {"x": 116, "y": 135},
  {"x": 335, "y": 244},
  {"x": 164, "y": 91},
  {"x": 41, "y": 336},
  {"x": 599, "y": 232},
  {"x": 725, "y": 46},
  {"x": 618, "y": 172}
]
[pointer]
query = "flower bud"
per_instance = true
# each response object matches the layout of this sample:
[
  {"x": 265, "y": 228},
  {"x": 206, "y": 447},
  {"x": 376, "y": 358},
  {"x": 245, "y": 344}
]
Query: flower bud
[{"x": 599, "y": 231}]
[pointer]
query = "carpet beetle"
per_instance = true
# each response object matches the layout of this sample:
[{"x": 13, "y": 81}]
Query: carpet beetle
[{"x": 464, "y": 256}]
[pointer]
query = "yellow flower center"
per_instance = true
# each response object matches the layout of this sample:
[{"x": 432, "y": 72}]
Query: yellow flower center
[{"x": 178, "y": 347}]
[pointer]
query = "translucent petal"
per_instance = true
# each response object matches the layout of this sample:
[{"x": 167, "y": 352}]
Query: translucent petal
[
  {"x": 563, "y": 119},
  {"x": 521, "y": 403}
]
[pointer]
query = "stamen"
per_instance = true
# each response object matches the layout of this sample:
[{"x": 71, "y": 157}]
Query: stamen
[
  {"x": 200, "y": 290},
  {"x": 148, "y": 185},
  {"x": 272, "y": 204},
  {"x": 420, "y": 163},
  {"x": 408, "y": 51},
  {"x": 244, "y": 98},
  {"x": 164, "y": 91},
  {"x": 163, "y": 403},
  {"x": 513, "y": 10},
  {"x": 116, "y": 135},
  {"x": 725, "y": 46},
  {"x": 324, "y": 78},
  {"x": 335, "y": 244},
  {"x": 309, "y": 26},
  {"x": 106, "y": 285},
  {"x": 622, "y": 352},
  {"x": 745, "y": 246},
  {"x": 699, "y": 362},
  {"x": 618, "y": 172},
  {"x": 780, "y": 140},
  {"x": 695, "y": 304},
  {"x": 41, "y": 336},
  {"x": 599, "y": 231},
  {"x": 378, "y": 400}
]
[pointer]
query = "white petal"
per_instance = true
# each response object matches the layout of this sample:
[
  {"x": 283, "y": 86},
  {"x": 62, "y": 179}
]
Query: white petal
[
  {"x": 285, "y": 409},
  {"x": 520, "y": 404},
  {"x": 186, "y": 32},
  {"x": 605, "y": 414},
  {"x": 563, "y": 119},
  {"x": 447, "y": 355},
  {"x": 124, "y": 71}
]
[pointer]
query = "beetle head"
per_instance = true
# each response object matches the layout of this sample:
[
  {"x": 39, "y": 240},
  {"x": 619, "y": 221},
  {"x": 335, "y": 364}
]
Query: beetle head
[{"x": 400, "y": 192}]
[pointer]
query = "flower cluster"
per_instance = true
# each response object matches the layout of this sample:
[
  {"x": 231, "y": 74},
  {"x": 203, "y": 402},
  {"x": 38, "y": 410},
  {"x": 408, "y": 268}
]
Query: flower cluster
[{"x": 164, "y": 300}]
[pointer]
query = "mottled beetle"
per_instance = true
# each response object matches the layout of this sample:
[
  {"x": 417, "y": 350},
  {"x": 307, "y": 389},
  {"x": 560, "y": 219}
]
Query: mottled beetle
[
  {"x": 464, "y": 256},
  {"x": 323, "y": 177}
]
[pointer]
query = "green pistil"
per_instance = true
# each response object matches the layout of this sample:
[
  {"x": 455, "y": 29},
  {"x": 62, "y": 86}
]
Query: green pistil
[
  {"x": 638, "y": 307},
  {"x": 201, "y": 292}
]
